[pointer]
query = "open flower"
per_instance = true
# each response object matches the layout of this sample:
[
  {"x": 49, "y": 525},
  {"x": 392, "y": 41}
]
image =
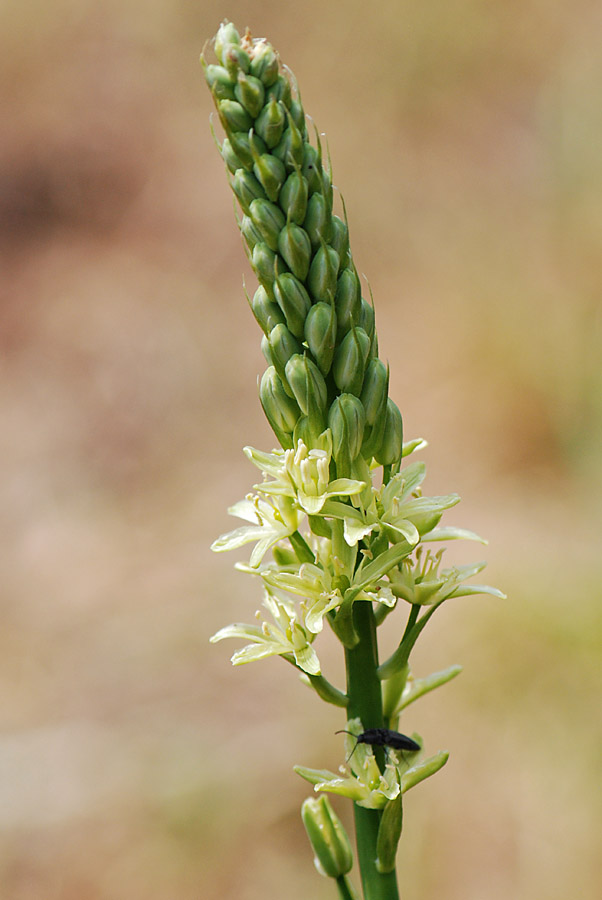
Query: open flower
[
  {"x": 272, "y": 521},
  {"x": 285, "y": 635},
  {"x": 420, "y": 581}
]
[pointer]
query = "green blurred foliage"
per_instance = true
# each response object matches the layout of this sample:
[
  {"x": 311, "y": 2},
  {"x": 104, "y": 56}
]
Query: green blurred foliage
[{"x": 465, "y": 136}]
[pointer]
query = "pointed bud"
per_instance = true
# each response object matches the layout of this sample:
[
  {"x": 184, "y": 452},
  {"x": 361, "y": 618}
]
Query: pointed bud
[
  {"x": 350, "y": 361},
  {"x": 267, "y": 265},
  {"x": 307, "y": 384},
  {"x": 236, "y": 59},
  {"x": 250, "y": 233},
  {"x": 320, "y": 334},
  {"x": 346, "y": 420},
  {"x": 269, "y": 221},
  {"x": 312, "y": 170},
  {"x": 389, "y": 452},
  {"x": 291, "y": 148},
  {"x": 293, "y": 198},
  {"x": 270, "y": 123},
  {"x": 226, "y": 35},
  {"x": 270, "y": 173},
  {"x": 366, "y": 320},
  {"x": 220, "y": 82},
  {"x": 298, "y": 114},
  {"x": 281, "y": 410},
  {"x": 233, "y": 161},
  {"x": 281, "y": 90},
  {"x": 389, "y": 832},
  {"x": 283, "y": 346},
  {"x": 244, "y": 145},
  {"x": 340, "y": 239},
  {"x": 247, "y": 188},
  {"x": 347, "y": 301},
  {"x": 233, "y": 116},
  {"x": 250, "y": 93},
  {"x": 375, "y": 390},
  {"x": 294, "y": 302},
  {"x": 264, "y": 64},
  {"x": 328, "y": 838},
  {"x": 322, "y": 279},
  {"x": 317, "y": 222},
  {"x": 267, "y": 313},
  {"x": 295, "y": 249}
]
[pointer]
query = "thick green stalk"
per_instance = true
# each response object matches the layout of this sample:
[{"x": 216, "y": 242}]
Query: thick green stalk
[{"x": 365, "y": 702}]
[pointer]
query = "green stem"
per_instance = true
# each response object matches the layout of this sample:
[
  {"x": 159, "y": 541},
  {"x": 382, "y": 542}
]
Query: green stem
[
  {"x": 346, "y": 892},
  {"x": 365, "y": 702}
]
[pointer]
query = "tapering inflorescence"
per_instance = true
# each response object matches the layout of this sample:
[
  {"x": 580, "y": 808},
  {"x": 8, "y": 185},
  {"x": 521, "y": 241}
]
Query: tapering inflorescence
[{"x": 319, "y": 335}]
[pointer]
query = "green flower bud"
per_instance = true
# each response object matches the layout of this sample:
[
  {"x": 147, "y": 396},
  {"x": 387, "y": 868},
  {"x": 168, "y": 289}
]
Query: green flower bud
[
  {"x": 350, "y": 361},
  {"x": 269, "y": 221},
  {"x": 267, "y": 313},
  {"x": 328, "y": 838},
  {"x": 307, "y": 384},
  {"x": 220, "y": 82},
  {"x": 317, "y": 221},
  {"x": 250, "y": 93},
  {"x": 390, "y": 450},
  {"x": 281, "y": 90},
  {"x": 389, "y": 832},
  {"x": 340, "y": 239},
  {"x": 270, "y": 123},
  {"x": 366, "y": 319},
  {"x": 293, "y": 198},
  {"x": 234, "y": 117},
  {"x": 281, "y": 410},
  {"x": 320, "y": 334},
  {"x": 295, "y": 248},
  {"x": 322, "y": 279},
  {"x": 298, "y": 114},
  {"x": 236, "y": 59},
  {"x": 291, "y": 148},
  {"x": 346, "y": 420},
  {"x": 270, "y": 173},
  {"x": 375, "y": 391},
  {"x": 284, "y": 346},
  {"x": 347, "y": 301},
  {"x": 266, "y": 350},
  {"x": 294, "y": 302},
  {"x": 247, "y": 188},
  {"x": 250, "y": 233},
  {"x": 312, "y": 170},
  {"x": 226, "y": 35},
  {"x": 264, "y": 64},
  {"x": 244, "y": 145},
  {"x": 267, "y": 265},
  {"x": 233, "y": 161}
]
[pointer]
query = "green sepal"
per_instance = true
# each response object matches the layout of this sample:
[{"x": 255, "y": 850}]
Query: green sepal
[
  {"x": 347, "y": 301},
  {"x": 233, "y": 116},
  {"x": 322, "y": 278},
  {"x": 320, "y": 334},
  {"x": 350, "y": 361},
  {"x": 417, "y": 773},
  {"x": 294, "y": 302},
  {"x": 281, "y": 410},
  {"x": 328, "y": 838},
  {"x": 342, "y": 624},
  {"x": 250, "y": 93},
  {"x": 295, "y": 248},
  {"x": 268, "y": 219},
  {"x": 320, "y": 526},
  {"x": 418, "y": 687},
  {"x": 293, "y": 198},
  {"x": 389, "y": 832},
  {"x": 317, "y": 222}
]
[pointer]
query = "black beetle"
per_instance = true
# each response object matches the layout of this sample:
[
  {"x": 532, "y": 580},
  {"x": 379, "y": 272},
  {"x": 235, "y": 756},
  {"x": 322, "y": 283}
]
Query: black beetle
[{"x": 382, "y": 737}]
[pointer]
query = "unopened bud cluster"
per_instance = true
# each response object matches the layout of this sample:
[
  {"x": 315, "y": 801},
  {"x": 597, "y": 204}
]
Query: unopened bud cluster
[{"x": 319, "y": 335}]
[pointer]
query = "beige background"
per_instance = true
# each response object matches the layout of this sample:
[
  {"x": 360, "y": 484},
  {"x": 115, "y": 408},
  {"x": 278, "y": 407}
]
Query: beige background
[{"x": 135, "y": 763}]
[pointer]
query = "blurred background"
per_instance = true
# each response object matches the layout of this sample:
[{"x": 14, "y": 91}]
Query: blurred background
[{"x": 135, "y": 762}]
